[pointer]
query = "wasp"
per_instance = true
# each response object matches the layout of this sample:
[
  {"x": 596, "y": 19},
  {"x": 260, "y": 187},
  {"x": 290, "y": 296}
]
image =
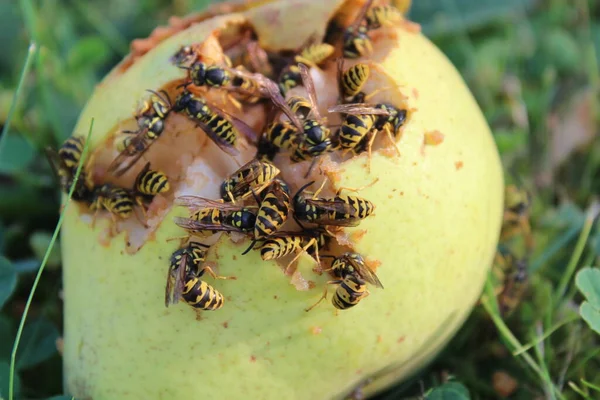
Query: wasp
[
  {"x": 353, "y": 274},
  {"x": 249, "y": 86},
  {"x": 117, "y": 201},
  {"x": 183, "y": 262},
  {"x": 252, "y": 177},
  {"x": 151, "y": 123},
  {"x": 281, "y": 135},
  {"x": 282, "y": 244},
  {"x": 185, "y": 56},
  {"x": 315, "y": 137},
  {"x": 227, "y": 218},
  {"x": 300, "y": 106},
  {"x": 516, "y": 215},
  {"x": 218, "y": 128},
  {"x": 255, "y": 57},
  {"x": 312, "y": 55},
  {"x": 64, "y": 164},
  {"x": 148, "y": 184},
  {"x": 273, "y": 211},
  {"x": 377, "y": 16},
  {"x": 356, "y": 40},
  {"x": 184, "y": 283},
  {"x": 364, "y": 121},
  {"x": 339, "y": 210},
  {"x": 515, "y": 285},
  {"x": 352, "y": 80}
]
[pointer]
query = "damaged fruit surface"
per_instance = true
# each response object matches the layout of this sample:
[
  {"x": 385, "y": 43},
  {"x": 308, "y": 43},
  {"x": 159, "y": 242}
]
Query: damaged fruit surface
[{"x": 430, "y": 240}]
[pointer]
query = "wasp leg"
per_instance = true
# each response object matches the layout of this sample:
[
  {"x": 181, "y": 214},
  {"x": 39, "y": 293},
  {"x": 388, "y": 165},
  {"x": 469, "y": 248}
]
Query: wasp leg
[
  {"x": 323, "y": 297},
  {"x": 144, "y": 219},
  {"x": 390, "y": 137},
  {"x": 320, "y": 188},
  {"x": 310, "y": 243},
  {"x": 213, "y": 274},
  {"x": 198, "y": 314},
  {"x": 357, "y": 189}
]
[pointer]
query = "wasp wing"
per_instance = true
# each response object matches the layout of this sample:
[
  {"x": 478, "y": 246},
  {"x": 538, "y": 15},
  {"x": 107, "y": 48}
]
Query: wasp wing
[
  {"x": 196, "y": 226},
  {"x": 327, "y": 207},
  {"x": 309, "y": 85},
  {"x": 364, "y": 271},
  {"x": 197, "y": 202},
  {"x": 279, "y": 101},
  {"x": 136, "y": 148},
  {"x": 219, "y": 141},
  {"x": 357, "y": 109}
]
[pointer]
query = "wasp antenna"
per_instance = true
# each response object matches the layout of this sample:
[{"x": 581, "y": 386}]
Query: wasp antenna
[
  {"x": 304, "y": 187},
  {"x": 249, "y": 247}
]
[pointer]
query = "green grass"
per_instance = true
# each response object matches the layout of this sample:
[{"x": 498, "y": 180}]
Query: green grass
[{"x": 529, "y": 65}]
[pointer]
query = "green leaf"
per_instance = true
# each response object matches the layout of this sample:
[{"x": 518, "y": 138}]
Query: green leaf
[
  {"x": 8, "y": 279},
  {"x": 4, "y": 380},
  {"x": 449, "y": 391},
  {"x": 588, "y": 283},
  {"x": 591, "y": 315},
  {"x": 38, "y": 343},
  {"x": 17, "y": 154}
]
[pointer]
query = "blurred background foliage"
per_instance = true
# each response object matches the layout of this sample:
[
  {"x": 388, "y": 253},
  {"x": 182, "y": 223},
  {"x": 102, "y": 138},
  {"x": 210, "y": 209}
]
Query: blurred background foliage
[{"x": 532, "y": 66}]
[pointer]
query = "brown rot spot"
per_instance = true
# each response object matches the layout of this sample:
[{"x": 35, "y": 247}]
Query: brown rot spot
[
  {"x": 400, "y": 339},
  {"x": 225, "y": 325},
  {"x": 316, "y": 330},
  {"x": 433, "y": 138},
  {"x": 252, "y": 359},
  {"x": 458, "y": 165}
]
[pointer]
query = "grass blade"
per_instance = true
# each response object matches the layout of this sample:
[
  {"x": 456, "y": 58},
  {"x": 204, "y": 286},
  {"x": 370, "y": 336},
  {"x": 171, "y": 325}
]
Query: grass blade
[
  {"x": 13, "y": 106},
  {"x": 43, "y": 264},
  {"x": 579, "y": 247}
]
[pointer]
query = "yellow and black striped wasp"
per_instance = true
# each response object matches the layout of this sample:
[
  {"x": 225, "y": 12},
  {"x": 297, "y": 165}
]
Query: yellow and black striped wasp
[
  {"x": 148, "y": 184},
  {"x": 117, "y": 201},
  {"x": 356, "y": 41},
  {"x": 282, "y": 244},
  {"x": 186, "y": 267},
  {"x": 353, "y": 274},
  {"x": 252, "y": 177},
  {"x": 223, "y": 132},
  {"x": 352, "y": 80},
  {"x": 339, "y": 210},
  {"x": 311, "y": 137},
  {"x": 229, "y": 217},
  {"x": 151, "y": 123},
  {"x": 312, "y": 55},
  {"x": 379, "y": 16},
  {"x": 363, "y": 121},
  {"x": 64, "y": 163},
  {"x": 249, "y": 86},
  {"x": 274, "y": 207}
]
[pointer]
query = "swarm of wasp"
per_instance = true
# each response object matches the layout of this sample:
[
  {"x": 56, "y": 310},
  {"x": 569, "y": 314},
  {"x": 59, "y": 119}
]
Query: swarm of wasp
[{"x": 256, "y": 201}]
